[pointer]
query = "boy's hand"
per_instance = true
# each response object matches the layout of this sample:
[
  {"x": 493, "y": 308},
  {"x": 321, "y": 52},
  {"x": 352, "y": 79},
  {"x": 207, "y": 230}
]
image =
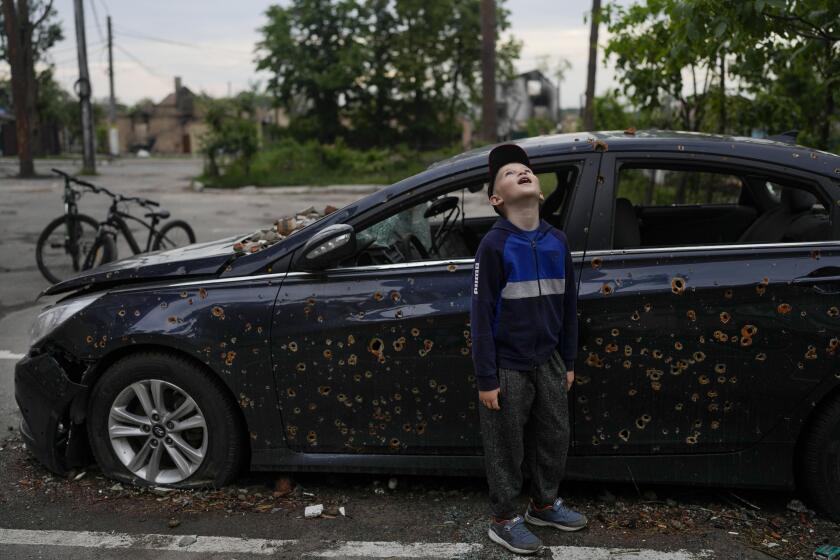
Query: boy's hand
[
  {"x": 490, "y": 399},
  {"x": 570, "y": 379}
]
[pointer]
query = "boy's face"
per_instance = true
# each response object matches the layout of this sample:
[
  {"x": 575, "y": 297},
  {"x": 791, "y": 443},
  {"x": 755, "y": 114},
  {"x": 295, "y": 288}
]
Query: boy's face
[{"x": 516, "y": 185}]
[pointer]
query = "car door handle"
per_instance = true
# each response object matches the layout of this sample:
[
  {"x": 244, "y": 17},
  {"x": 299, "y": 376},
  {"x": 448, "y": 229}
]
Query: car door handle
[{"x": 825, "y": 280}]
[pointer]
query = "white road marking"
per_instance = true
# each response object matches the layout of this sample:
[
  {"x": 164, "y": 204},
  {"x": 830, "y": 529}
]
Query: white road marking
[
  {"x": 340, "y": 549},
  {"x": 8, "y": 355}
]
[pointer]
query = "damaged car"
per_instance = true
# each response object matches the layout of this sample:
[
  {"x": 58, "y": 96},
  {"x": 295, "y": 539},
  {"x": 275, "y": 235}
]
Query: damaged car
[{"x": 708, "y": 274}]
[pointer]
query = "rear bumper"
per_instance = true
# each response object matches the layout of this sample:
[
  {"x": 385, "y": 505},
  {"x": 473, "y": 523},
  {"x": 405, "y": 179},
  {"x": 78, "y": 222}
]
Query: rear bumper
[{"x": 44, "y": 395}]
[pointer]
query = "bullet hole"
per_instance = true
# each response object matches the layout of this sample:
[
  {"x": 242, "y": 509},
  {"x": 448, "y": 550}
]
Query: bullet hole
[
  {"x": 606, "y": 289},
  {"x": 292, "y": 430},
  {"x": 427, "y": 345},
  {"x": 596, "y": 262},
  {"x": 599, "y": 340},
  {"x": 614, "y": 332},
  {"x": 291, "y": 392},
  {"x": 320, "y": 318},
  {"x": 680, "y": 147},
  {"x": 657, "y": 354},
  {"x": 368, "y": 374},
  {"x": 136, "y": 312},
  {"x": 833, "y": 312},
  {"x": 352, "y": 360},
  {"x": 399, "y": 344},
  {"x": 699, "y": 356},
  {"x": 720, "y": 368},
  {"x": 593, "y": 360},
  {"x": 724, "y": 317},
  {"x": 624, "y": 434},
  {"x": 293, "y": 346},
  {"x": 611, "y": 347},
  {"x": 678, "y": 407},
  {"x": 121, "y": 313},
  {"x": 376, "y": 347},
  {"x": 358, "y": 398},
  {"x": 721, "y": 336},
  {"x": 324, "y": 390},
  {"x": 465, "y": 351},
  {"x": 632, "y": 392},
  {"x": 395, "y": 296},
  {"x": 800, "y": 365},
  {"x": 432, "y": 383},
  {"x": 643, "y": 421},
  {"x": 398, "y": 313},
  {"x": 654, "y": 374},
  {"x": 628, "y": 351},
  {"x": 678, "y": 345},
  {"x": 296, "y": 410},
  {"x": 89, "y": 339},
  {"x": 655, "y": 385},
  {"x": 441, "y": 388},
  {"x": 728, "y": 293},
  {"x": 761, "y": 356},
  {"x": 627, "y": 364},
  {"x": 312, "y": 437},
  {"x": 218, "y": 312},
  {"x": 357, "y": 377},
  {"x": 378, "y": 296},
  {"x": 815, "y": 254},
  {"x": 833, "y": 345},
  {"x": 635, "y": 316},
  {"x": 341, "y": 397},
  {"x": 415, "y": 332},
  {"x": 811, "y": 354},
  {"x": 691, "y": 314},
  {"x": 420, "y": 428},
  {"x": 184, "y": 295},
  {"x": 451, "y": 268},
  {"x": 677, "y": 285},
  {"x": 245, "y": 402},
  {"x": 407, "y": 427},
  {"x": 229, "y": 357},
  {"x": 311, "y": 406},
  {"x": 703, "y": 380},
  {"x": 721, "y": 379},
  {"x": 783, "y": 308},
  {"x": 301, "y": 367},
  {"x": 328, "y": 354},
  {"x": 733, "y": 380},
  {"x": 691, "y": 440}
]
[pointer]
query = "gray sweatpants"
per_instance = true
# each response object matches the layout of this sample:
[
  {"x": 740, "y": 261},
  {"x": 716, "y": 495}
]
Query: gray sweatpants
[{"x": 533, "y": 424}]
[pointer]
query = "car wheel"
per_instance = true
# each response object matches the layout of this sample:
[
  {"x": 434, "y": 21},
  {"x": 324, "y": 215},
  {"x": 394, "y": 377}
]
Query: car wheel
[
  {"x": 156, "y": 419},
  {"x": 821, "y": 460}
]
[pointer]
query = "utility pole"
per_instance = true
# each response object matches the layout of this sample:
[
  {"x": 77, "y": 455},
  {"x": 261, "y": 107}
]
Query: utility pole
[
  {"x": 84, "y": 91},
  {"x": 113, "y": 133},
  {"x": 488, "y": 71},
  {"x": 589, "y": 109}
]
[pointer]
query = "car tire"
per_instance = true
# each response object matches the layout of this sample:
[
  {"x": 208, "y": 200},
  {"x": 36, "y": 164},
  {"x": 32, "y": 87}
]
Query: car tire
[
  {"x": 201, "y": 447},
  {"x": 820, "y": 467}
]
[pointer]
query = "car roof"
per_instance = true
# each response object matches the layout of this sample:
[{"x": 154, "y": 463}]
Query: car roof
[{"x": 777, "y": 151}]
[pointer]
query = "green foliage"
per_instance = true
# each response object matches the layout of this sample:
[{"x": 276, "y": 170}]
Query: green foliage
[
  {"x": 289, "y": 162},
  {"x": 611, "y": 114},
  {"x": 377, "y": 72},
  {"x": 536, "y": 126},
  {"x": 231, "y": 139},
  {"x": 780, "y": 58},
  {"x": 46, "y": 33}
]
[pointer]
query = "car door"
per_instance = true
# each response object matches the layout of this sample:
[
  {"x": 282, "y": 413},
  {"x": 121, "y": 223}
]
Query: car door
[
  {"x": 377, "y": 358},
  {"x": 696, "y": 347}
]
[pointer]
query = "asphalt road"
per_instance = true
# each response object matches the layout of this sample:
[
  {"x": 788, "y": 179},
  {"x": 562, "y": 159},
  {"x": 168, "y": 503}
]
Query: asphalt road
[{"x": 43, "y": 516}]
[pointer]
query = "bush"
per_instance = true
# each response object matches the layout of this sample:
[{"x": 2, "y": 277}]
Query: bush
[{"x": 289, "y": 162}]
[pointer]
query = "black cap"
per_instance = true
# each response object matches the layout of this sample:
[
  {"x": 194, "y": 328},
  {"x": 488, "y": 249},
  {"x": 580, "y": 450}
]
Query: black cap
[{"x": 502, "y": 155}]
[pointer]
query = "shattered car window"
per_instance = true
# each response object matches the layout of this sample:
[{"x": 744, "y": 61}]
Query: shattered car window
[{"x": 398, "y": 228}]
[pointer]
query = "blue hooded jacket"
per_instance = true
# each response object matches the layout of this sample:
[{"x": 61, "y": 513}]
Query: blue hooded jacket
[{"x": 524, "y": 301}]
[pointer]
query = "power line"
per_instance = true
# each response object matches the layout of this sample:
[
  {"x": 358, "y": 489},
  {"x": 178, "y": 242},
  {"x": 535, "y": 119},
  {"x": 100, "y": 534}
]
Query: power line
[
  {"x": 140, "y": 63},
  {"x": 142, "y": 36},
  {"x": 96, "y": 21}
]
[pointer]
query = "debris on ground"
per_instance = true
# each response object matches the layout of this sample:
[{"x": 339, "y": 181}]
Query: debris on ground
[
  {"x": 392, "y": 483},
  {"x": 313, "y": 511},
  {"x": 173, "y": 523},
  {"x": 281, "y": 229}
]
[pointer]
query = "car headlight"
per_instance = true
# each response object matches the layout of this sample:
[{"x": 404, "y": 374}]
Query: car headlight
[{"x": 51, "y": 317}]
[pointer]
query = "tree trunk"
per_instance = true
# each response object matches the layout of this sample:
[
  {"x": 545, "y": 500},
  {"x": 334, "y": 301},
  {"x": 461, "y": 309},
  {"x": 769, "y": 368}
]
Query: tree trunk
[
  {"x": 589, "y": 108},
  {"x": 19, "y": 35},
  {"x": 825, "y": 126},
  {"x": 488, "y": 70}
]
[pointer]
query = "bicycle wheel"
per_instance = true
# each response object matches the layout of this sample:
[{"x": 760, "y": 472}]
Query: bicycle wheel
[
  {"x": 57, "y": 259},
  {"x": 176, "y": 233}
]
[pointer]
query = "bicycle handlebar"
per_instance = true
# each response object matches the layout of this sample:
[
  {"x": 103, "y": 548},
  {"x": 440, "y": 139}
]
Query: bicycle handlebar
[{"x": 97, "y": 190}]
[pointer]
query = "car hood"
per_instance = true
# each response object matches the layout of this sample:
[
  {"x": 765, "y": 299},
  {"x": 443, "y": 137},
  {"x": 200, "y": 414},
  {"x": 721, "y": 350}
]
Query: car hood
[{"x": 198, "y": 259}]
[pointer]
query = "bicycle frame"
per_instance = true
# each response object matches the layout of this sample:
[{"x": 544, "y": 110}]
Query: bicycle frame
[{"x": 117, "y": 219}]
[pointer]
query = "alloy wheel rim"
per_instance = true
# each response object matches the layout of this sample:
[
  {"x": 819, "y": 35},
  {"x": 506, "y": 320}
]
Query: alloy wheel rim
[{"x": 157, "y": 431}]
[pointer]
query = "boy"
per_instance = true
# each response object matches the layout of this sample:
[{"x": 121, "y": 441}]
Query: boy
[{"x": 524, "y": 341}]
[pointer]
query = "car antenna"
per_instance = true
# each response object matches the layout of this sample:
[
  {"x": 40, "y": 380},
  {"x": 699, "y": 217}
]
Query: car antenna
[{"x": 788, "y": 137}]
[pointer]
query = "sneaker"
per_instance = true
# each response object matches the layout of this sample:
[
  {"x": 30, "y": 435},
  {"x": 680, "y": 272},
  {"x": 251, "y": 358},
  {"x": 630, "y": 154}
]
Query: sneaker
[
  {"x": 558, "y": 516},
  {"x": 514, "y": 536}
]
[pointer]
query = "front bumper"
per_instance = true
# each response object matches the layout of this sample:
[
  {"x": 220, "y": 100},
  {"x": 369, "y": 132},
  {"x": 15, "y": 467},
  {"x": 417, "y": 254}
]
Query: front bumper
[{"x": 44, "y": 395}]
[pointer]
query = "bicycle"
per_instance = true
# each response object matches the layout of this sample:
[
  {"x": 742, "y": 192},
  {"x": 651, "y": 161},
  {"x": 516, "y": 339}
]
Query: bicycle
[{"x": 103, "y": 248}]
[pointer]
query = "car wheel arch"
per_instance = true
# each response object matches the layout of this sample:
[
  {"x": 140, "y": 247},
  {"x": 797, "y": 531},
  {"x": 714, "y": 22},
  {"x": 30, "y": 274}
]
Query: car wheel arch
[{"x": 94, "y": 374}]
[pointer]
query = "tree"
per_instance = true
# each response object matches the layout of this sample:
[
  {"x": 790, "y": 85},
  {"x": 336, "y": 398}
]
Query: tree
[
  {"x": 488, "y": 70},
  {"x": 27, "y": 34},
  {"x": 595, "y": 23}
]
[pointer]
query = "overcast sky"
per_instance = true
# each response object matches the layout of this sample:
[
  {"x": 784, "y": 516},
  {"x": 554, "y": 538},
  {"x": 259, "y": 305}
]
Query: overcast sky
[{"x": 212, "y": 44}]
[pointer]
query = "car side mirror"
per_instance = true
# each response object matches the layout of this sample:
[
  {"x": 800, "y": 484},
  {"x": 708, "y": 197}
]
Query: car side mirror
[{"x": 327, "y": 247}]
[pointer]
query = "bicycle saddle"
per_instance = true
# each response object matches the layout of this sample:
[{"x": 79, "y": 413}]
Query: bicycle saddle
[{"x": 159, "y": 214}]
